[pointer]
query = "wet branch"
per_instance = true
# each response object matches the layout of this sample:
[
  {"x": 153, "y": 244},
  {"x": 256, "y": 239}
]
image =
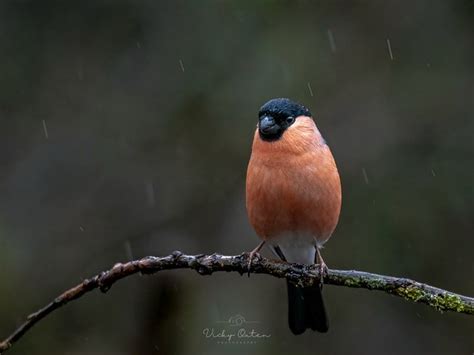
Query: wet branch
[{"x": 410, "y": 290}]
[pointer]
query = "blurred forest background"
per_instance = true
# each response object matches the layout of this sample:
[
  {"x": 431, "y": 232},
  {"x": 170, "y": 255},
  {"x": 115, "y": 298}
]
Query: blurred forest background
[{"x": 126, "y": 128}]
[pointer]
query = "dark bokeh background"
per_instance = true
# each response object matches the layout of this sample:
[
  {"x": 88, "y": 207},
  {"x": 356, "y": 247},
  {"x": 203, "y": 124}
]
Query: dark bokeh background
[{"x": 126, "y": 128}]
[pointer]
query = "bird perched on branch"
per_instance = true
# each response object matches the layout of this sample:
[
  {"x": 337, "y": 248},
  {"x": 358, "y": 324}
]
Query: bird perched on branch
[{"x": 293, "y": 199}]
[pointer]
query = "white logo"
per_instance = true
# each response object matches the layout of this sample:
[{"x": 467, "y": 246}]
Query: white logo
[{"x": 236, "y": 330}]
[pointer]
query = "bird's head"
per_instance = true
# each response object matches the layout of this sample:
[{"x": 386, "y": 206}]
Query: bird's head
[{"x": 278, "y": 115}]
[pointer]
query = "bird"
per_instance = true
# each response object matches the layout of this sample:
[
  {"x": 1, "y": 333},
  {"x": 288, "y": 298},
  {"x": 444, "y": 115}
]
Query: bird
[{"x": 293, "y": 200}]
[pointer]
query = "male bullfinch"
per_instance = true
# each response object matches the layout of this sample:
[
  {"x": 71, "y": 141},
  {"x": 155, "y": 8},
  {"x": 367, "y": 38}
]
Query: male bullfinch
[{"x": 293, "y": 199}]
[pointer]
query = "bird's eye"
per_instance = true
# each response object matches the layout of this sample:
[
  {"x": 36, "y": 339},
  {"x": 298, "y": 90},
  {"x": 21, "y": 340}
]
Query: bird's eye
[{"x": 290, "y": 120}]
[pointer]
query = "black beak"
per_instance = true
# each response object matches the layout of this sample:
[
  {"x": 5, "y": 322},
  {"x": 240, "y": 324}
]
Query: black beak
[{"x": 268, "y": 127}]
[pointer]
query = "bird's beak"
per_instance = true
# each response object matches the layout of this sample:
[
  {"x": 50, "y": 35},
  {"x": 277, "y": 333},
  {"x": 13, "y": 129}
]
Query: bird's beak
[{"x": 267, "y": 126}]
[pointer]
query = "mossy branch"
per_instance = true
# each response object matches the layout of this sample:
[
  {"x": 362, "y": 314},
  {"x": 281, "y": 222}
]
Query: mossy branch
[{"x": 301, "y": 275}]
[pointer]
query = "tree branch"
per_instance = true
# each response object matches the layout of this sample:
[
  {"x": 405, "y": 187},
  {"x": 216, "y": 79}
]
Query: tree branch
[{"x": 301, "y": 275}]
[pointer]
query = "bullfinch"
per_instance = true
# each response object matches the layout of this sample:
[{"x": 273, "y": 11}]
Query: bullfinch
[{"x": 293, "y": 199}]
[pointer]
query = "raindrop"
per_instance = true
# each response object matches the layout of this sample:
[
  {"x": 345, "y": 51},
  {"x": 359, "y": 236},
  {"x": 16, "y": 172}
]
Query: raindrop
[
  {"x": 332, "y": 42},
  {"x": 128, "y": 250},
  {"x": 310, "y": 89},
  {"x": 45, "y": 129},
  {"x": 150, "y": 193},
  {"x": 366, "y": 178},
  {"x": 389, "y": 46}
]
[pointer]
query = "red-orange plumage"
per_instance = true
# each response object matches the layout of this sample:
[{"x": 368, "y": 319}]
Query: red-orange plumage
[{"x": 293, "y": 184}]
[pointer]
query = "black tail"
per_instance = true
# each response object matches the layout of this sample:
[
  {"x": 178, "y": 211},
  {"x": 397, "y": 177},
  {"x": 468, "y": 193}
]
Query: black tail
[{"x": 306, "y": 309}]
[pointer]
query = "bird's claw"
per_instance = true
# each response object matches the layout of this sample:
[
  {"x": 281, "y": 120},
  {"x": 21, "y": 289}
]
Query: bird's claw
[
  {"x": 252, "y": 254},
  {"x": 323, "y": 272}
]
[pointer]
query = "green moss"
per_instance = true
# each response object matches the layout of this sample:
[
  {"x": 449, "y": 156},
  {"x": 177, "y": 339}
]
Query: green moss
[
  {"x": 371, "y": 284},
  {"x": 442, "y": 302},
  {"x": 411, "y": 293},
  {"x": 351, "y": 282},
  {"x": 376, "y": 284},
  {"x": 448, "y": 302}
]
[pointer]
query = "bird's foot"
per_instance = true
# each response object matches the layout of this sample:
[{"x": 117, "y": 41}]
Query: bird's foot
[
  {"x": 323, "y": 268},
  {"x": 252, "y": 254},
  {"x": 323, "y": 272}
]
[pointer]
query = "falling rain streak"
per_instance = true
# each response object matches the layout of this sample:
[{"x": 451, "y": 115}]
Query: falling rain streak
[
  {"x": 366, "y": 178},
  {"x": 389, "y": 46},
  {"x": 128, "y": 250},
  {"x": 310, "y": 89},
  {"x": 181, "y": 65},
  {"x": 150, "y": 193},
  {"x": 332, "y": 43},
  {"x": 45, "y": 129}
]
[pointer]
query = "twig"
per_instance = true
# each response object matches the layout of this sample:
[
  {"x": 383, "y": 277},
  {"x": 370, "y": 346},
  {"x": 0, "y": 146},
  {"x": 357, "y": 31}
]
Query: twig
[{"x": 410, "y": 290}]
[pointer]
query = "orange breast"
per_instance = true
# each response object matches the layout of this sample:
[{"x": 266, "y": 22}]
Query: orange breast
[{"x": 293, "y": 184}]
